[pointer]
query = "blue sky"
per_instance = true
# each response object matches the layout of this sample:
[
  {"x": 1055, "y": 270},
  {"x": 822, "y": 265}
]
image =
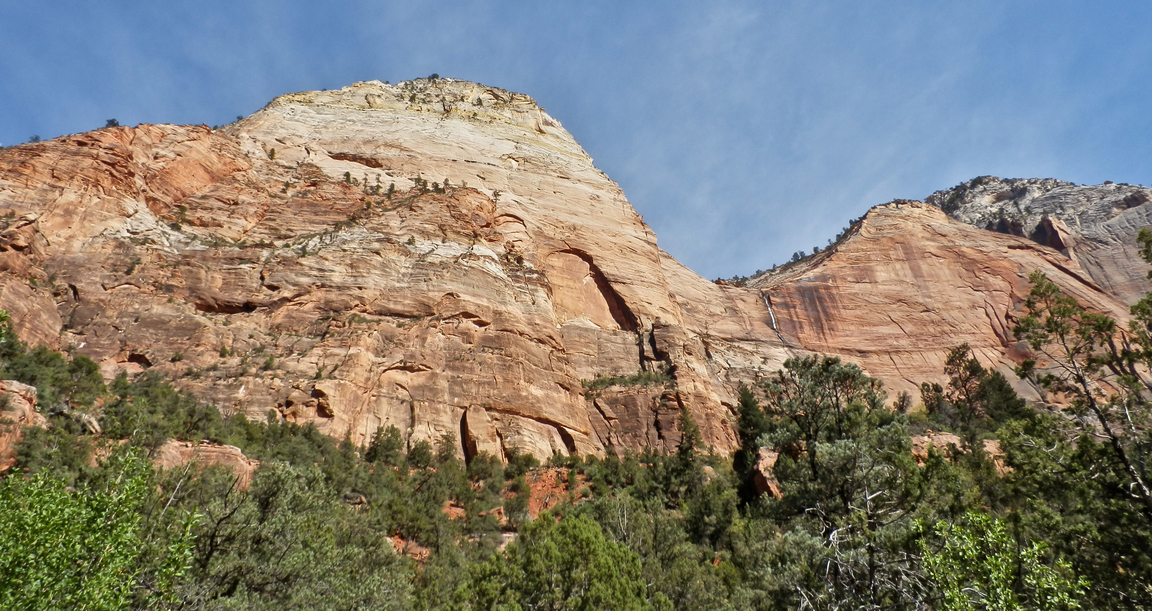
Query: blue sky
[{"x": 742, "y": 130}]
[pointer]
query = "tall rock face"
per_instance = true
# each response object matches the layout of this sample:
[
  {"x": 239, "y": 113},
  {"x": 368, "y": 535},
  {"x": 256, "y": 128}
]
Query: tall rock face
[
  {"x": 1095, "y": 226},
  {"x": 908, "y": 284},
  {"x": 443, "y": 257},
  {"x": 435, "y": 255}
]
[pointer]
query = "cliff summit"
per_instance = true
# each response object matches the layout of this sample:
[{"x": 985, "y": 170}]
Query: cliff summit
[{"x": 443, "y": 257}]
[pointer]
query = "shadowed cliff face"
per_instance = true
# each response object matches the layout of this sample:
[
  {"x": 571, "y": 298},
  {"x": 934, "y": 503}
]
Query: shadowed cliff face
[{"x": 443, "y": 257}]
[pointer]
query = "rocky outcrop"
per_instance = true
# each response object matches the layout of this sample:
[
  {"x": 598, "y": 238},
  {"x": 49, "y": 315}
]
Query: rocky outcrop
[
  {"x": 179, "y": 454},
  {"x": 948, "y": 443},
  {"x": 1095, "y": 226},
  {"x": 764, "y": 473},
  {"x": 909, "y": 284},
  {"x": 436, "y": 255},
  {"x": 17, "y": 410},
  {"x": 443, "y": 257}
]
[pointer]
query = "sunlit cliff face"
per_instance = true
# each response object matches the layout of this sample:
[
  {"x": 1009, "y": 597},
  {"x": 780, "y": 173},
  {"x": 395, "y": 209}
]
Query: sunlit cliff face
[{"x": 442, "y": 256}]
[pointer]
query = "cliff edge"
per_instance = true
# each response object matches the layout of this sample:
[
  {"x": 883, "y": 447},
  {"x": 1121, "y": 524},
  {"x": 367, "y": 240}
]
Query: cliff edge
[{"x": 443, "y": 257}]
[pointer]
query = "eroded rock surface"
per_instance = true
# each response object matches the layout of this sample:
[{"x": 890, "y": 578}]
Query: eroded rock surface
[
  {"x": 948, "y": 443},
  {"x": 909, "y": 284},
  {"x": 1095, "y": 226},
  {"x": 764, "y": 473},
  {"x": 436, "y": 255},
  {"x": 443, "y": 257},
  {"x": 17, "y": 410},
  {"x": 178, "y": 454}
]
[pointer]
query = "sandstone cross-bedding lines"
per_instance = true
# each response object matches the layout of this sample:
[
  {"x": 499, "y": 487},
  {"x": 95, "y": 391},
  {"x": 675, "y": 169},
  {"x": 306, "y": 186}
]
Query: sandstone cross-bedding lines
[{"x": 443, "y": 257}]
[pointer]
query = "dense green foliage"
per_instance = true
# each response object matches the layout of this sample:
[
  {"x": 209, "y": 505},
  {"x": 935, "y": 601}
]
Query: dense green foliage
[
  {"x": 286, "y": 543},
  {"x": 63, "y": 548},
  {"x": 1086, "y": 349},
  {"x": 976, "y": 401},
  {"x": 559, "y": 566},
  {"x": 979, "y": 566}
]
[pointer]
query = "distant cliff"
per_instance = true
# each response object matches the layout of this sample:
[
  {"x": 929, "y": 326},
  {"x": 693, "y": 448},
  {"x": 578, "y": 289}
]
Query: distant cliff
[{"x": 1093, "y": 225}]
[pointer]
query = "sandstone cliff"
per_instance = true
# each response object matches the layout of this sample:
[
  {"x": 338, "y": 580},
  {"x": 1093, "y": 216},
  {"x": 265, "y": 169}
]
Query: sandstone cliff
[
  {"x": 443, "y": 257},
  {"x": 1095, "y": 226},
  {"x": 436, "y": 255},
  {"x": 908, "y": 284}
]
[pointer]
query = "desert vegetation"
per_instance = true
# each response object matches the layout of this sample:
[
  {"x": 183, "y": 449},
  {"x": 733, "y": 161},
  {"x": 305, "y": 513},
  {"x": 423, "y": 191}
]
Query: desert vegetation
[
  {"x": 854, "y": 517},
  {"x": 826, "y": 504}
]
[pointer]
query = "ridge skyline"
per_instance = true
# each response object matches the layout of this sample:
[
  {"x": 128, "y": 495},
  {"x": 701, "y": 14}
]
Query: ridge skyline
[
  {"x": 742, "y": 132},
  {"x": 751, "y": 274}
]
